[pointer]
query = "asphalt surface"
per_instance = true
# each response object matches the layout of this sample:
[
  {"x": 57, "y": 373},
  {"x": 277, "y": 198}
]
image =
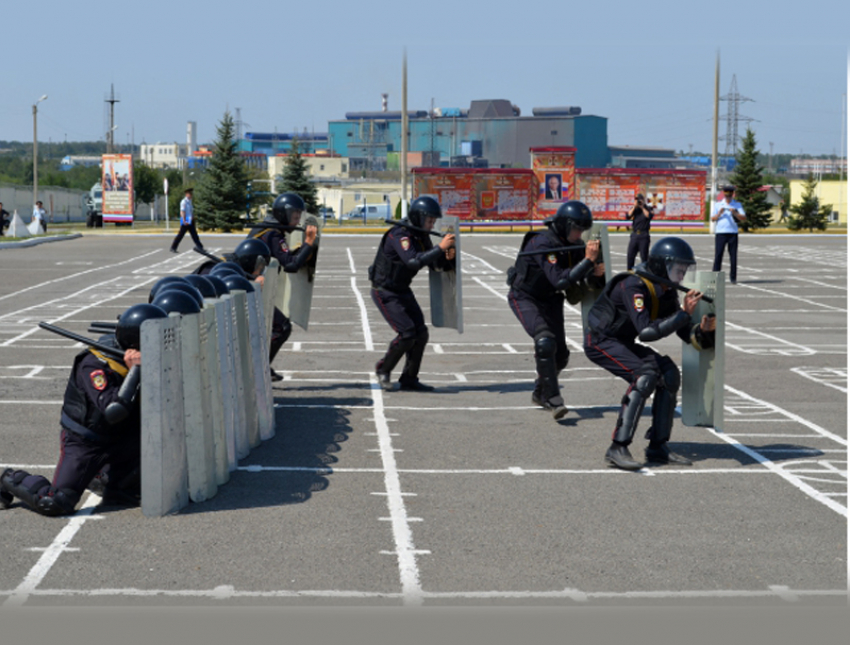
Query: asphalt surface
[{"x": 466, "y": 497}]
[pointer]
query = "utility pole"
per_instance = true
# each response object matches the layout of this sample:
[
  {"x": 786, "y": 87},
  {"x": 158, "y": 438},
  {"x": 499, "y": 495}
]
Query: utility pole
[
  {"x": 404, "y": 135},
  {"x": 35, "y": 149},
  {"x": 110, "y": 134},
  {"x": 714, "y": 139}
]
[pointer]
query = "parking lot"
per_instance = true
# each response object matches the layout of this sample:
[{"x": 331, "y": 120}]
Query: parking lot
[{"x": 466, "y": 497}]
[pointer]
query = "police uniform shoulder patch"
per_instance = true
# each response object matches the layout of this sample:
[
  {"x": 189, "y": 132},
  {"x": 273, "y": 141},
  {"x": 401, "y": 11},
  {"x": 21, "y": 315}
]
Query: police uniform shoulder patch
[
  {"x": 405, "y": 243},
  {"x": 552, "y": 258},
  {"x": 98, "y": 380},
  {"x": 283, "y": 246},
  {"x": 638, "y": 302}
]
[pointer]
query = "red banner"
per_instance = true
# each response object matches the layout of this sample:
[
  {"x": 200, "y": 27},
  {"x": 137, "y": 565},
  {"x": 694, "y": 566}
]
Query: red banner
[
  {"x": 675, "y": 194},
  {"x": 554, "y": 169},
  {"x": 479, "y": 194}
]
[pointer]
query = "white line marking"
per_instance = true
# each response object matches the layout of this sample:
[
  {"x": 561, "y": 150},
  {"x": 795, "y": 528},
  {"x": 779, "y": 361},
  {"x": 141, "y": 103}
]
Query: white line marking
[
  {"x": 51, "y": 554},
  {"x": 351, "y": 260},
  {"x": 364, "y": 316},
  {"x": 791, "y": 415}
]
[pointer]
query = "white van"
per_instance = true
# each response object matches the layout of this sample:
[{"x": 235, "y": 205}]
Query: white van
[{"x": 373, "y": 212}]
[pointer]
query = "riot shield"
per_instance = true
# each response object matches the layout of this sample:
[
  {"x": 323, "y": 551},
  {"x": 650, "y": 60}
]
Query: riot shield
[
  {"x": 599, "y": 232},
  {"x": 702, "y": 370},
  {"x": 445, "y": 286},
  {"x": 295, "y": 294}
]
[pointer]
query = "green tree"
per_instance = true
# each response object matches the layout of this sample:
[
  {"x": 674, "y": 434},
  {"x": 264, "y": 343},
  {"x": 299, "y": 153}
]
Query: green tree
[
  {"x": 221, "y": 193},
  {"x": 809, "y": 212},
  {"x": 296, "y": 179},
  {"x": 748, "y": 179},
  {"x": 146, "y": 182}
]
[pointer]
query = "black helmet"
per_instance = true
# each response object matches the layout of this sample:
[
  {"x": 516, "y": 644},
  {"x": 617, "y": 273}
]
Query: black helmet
[
  {"x": 177, "y": 301},
  {"x": 216, "y": 281},
  {"x": 202, "y": 284},
  {"x": 228, "y": 267},
  {"x": 284, "y": 207},
  {"x": 238, "y": 283},
  {"x": 159, "y": 284},
  {"x": 186, "y": 288},
  {"x": 666, "y": 253},
  {"x": 249, "y": 253},
  {"x": 128, "y": 330},
  {"x": 571, "y": 214},
  {"x": 423, "y": 207}
]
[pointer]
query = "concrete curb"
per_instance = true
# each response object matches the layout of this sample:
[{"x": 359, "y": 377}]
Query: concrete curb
[{"x": 38, "y": 240}]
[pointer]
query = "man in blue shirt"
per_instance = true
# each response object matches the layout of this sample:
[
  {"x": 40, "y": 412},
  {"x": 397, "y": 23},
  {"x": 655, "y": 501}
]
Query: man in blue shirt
[
  {"x": 726, "y": 213},
  {"x": 187, "y": 223}
]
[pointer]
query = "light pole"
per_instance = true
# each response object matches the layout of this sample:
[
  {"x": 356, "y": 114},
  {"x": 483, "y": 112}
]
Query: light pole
[{"x": 35, "y": 150}]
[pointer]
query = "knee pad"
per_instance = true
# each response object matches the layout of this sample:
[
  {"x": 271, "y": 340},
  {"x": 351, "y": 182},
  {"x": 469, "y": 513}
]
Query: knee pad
[
  {"x": 404, "y": 343},
  {"x": 60, "y": 501},
  {"x": 671, "y": 378},
  {"x": 281, "y": 331},
  {"x": 645, "y": 383},
  {"x": 545, "y": 345},
  {"x": 13, "y": 482}
]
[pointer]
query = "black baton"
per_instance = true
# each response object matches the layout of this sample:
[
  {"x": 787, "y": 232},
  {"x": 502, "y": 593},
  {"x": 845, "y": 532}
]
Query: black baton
[{"x": 112, "y": 352}]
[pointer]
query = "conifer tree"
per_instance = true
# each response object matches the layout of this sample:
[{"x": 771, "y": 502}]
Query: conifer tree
[
  {"x": 809, "y": 212},
  {"x": 296, "y": 179},
  {"x": 221, "y": 194},
  {"x": 748, "y": 179}
]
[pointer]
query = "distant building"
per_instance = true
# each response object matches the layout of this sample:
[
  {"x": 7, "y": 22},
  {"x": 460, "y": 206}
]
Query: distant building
[
  {"x": 818, "y": 166},
  {"x": 69, "y": 161},
  {"x": 318, "y": 166},
  {"x": 491, "y": 133},
  {"x": 644, "y": 157},
  {"x": 274, "y": 143},
  {"x": 828, "y": 191},
  {"x": 164, "y": 155}
]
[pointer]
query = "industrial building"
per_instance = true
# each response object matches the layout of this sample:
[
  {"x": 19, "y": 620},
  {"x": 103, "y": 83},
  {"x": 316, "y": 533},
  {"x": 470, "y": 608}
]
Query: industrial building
[{"x": 490, "y": 134}]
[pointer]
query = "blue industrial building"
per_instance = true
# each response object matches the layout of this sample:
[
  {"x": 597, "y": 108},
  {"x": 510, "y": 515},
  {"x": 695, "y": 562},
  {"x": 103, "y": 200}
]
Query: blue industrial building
[{"x": 491, "y": 133}]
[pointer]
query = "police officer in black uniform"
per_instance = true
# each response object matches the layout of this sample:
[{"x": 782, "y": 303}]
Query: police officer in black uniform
[
  {"x": 632, "y": 308},
  {"x": 539, "y": 285},
  {"x": 101, "y": 428},
  {"x": 286, "y": 210},
  {"x": 641, "y": 216},
  {"x": 403, "y": 251}
]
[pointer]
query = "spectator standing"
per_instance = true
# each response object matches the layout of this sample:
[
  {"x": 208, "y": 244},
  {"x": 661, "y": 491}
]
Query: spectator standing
[
  {"x": 39, "y": 214},
  {"x": 726, "y": 213},
  {"x": 641, "y": 216},
  {"x": 187, "y": 223}
]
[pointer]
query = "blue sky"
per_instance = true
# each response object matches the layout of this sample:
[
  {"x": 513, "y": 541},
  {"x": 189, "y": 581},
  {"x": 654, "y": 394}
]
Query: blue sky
[{"x": 646, "y": 66}]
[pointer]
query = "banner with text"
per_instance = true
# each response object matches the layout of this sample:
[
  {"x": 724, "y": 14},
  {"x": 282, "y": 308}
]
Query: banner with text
[
  {"x": 554, "y": 169},
  {"x": 118, "y": 192},
  {"x": 676, "y": 195},
  {"x": 479, "y": 194}
]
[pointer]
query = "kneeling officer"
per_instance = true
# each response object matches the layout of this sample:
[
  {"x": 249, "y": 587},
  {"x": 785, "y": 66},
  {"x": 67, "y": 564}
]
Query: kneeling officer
[
  {"x": 634, "y": 308},
  {"x": 101, "y": 428}
]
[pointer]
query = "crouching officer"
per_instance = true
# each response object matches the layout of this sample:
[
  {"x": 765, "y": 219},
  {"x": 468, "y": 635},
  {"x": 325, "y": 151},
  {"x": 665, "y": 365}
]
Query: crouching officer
[
  {"x": 541, "y": 280},
  {"x": 100, "y": 441},
  {"x": 403, "y": 251},
  {"x": 632, "y": 308},
  {"x": 286, "y": 210}
]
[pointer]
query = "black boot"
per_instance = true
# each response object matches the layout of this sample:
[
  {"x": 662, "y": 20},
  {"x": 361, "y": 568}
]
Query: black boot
[
  {"x": 661, "y": 454},
  {"x": 619, "y": 456},
  {"x": 409, "y": 379}
]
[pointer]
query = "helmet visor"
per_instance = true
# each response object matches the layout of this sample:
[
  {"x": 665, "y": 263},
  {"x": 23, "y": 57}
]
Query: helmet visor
[{"x": 679, "y": 271}]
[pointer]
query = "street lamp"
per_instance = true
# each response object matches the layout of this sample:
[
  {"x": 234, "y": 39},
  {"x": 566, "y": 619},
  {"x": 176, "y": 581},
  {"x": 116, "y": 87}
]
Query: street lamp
[{"x": 35, "y": 150}]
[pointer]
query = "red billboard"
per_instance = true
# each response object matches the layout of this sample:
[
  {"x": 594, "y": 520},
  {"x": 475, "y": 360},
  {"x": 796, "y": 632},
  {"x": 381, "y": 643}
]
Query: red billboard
[
  {"x": 610, "y": 193},
  {"x": 480, "y": 193}
]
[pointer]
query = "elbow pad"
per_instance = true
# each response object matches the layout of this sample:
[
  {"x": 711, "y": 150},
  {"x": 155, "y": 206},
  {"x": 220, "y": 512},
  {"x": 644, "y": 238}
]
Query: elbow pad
[
  {"x": 578, "y": 273},
  {"x": 424, "y": 259},
  {"x": 666, "y": 327},
  {"x": 120, "y": 409},
  {"x": 300, "y": 259}
]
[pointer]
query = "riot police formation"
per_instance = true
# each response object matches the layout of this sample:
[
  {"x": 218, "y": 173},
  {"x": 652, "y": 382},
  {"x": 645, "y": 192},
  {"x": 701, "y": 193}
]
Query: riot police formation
[
  {"x": 636, "y": 307},
  {"x": 553, "y": 265},
  {"x": 402, "y": 252},
  {"x": 101, "y": 428},
  {"x": 286, "y": 214}
]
